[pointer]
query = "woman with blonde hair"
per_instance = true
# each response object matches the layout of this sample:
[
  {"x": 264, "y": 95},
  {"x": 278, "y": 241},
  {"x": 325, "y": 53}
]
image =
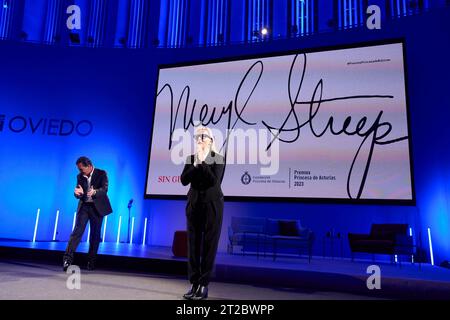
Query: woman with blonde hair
[{"x": 204, "y": 210}]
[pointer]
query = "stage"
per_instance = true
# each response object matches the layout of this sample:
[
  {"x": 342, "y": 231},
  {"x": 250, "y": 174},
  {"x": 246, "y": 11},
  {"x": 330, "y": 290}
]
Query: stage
[
  {"x": 40, "y": 281},
  {"x": 405, "y": 281}
]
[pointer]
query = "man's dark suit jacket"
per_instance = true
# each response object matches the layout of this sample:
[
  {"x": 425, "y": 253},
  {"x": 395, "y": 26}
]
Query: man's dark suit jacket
[
  {"x": 205, "y": 178},
  {"x": 99, "y": 182}
]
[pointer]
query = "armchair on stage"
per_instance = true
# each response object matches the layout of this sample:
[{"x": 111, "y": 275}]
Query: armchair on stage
[
  {"x": 273, "y": 236},
  {"x": 389, "y": 239}
]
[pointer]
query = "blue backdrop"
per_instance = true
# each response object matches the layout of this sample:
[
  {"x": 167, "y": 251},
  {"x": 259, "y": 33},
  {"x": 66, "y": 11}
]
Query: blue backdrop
[{"x": 112, "y": 90}]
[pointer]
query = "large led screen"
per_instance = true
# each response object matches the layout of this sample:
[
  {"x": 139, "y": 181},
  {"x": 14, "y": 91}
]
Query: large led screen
[{"x": 318, "y": 124}]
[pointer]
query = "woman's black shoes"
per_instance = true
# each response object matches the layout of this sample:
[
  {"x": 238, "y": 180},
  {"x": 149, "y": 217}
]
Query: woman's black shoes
[
  {"x": 196, "y": 292},
  {"x": 90, "y": 266},
  {"x": 201, "y": 293},
  {"x": 66, "y": 264},
  {"x": 191, "y": 292}
]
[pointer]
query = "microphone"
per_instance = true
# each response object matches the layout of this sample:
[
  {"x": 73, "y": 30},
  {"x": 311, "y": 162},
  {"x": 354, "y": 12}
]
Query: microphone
[{"x": 130, "y": 203}]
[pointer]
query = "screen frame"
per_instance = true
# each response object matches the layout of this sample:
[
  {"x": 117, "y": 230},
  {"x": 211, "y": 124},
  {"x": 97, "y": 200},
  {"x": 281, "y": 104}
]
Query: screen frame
[{"x": 406, "y": 202}]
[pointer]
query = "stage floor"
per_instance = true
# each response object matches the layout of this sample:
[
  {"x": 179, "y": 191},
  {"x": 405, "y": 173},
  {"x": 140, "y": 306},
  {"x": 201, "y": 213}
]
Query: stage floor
[
  {"x": 36, "y": 281},
  {"x": 322, "y": 274}
]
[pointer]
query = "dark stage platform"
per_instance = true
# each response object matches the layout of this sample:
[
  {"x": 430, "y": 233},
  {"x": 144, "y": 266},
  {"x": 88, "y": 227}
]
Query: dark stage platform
[{"x": 322, "y": 274}]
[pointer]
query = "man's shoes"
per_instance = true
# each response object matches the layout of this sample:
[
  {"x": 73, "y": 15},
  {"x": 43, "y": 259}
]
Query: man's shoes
[
  {"x": 201, "y": 293},
  {"x": 191, "y": 292},
  {"x": 90, "y": 266},
  {"x": 66, "y": 264}
]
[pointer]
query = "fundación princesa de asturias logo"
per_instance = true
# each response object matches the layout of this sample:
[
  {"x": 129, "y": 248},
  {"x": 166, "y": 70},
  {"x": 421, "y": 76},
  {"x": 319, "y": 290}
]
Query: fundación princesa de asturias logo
[
  {"x": 246, "y": 178},
  {"x": 45, "y": 126}
]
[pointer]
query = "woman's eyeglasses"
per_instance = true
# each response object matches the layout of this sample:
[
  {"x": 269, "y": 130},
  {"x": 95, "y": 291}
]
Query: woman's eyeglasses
[{"x": 202, "y": 136}]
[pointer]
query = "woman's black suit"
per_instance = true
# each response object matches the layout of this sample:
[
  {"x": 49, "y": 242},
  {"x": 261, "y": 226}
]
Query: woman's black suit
[{"x": 204, "y": 210}]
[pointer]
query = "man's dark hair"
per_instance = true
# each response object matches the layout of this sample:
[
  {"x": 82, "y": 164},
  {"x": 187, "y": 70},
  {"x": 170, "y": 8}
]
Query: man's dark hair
[{"x": 85, "y": 161}]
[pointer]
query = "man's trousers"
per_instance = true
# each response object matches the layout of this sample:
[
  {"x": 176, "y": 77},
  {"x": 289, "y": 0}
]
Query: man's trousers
[{"x": 87, "y": 212}]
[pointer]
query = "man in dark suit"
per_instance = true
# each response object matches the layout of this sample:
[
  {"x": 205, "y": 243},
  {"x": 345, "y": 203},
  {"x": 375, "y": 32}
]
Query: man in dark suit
[
  {"x": 91, "y": 190},
  {"x": 204, "y": 210}
]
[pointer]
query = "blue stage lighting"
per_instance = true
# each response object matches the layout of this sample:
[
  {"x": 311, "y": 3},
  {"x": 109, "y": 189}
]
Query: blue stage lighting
[
  {"x": 145, "y": 231},
  {"x": 411, "y": 234},
  {"x": 118, "y": 230},
  {"x": 74, "y": 219},
  {"x": 104, "y": 228},
  {"x": 431, "y": 247},
  {"x": 56, "y": 225},
  {"x": 132, "y": 230},
  {"x": 36, "y": 224}
]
